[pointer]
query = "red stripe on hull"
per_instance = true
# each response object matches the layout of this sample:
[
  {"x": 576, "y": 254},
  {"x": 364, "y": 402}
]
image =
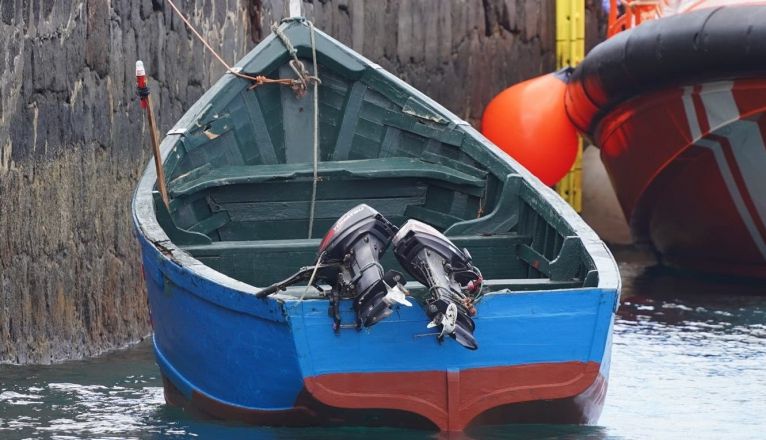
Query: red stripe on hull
[{"x": 570, "y": 392}]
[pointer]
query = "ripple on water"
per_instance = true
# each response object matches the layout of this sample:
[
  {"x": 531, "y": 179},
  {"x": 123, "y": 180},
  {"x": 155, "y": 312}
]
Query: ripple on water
[
  {"x": 89, "y": 399},
  {"x": 688, "y": 359}
]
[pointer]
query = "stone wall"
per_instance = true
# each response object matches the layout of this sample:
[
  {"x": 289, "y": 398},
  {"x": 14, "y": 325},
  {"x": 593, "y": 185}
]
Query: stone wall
[
  {"x": 73, "y": 139},
  {"x": 459, "y": 52}
]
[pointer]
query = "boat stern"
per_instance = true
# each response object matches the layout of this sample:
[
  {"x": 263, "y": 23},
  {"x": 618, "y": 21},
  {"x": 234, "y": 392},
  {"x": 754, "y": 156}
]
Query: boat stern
[{"x": 543, "y": 357}]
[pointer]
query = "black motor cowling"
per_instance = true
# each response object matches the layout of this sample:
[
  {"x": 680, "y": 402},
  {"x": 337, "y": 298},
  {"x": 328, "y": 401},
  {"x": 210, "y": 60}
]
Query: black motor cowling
[
  {"x": 349, "y": 261},
  {"x": 355, "y": 242},
  {"x": 449, "y": 275}
]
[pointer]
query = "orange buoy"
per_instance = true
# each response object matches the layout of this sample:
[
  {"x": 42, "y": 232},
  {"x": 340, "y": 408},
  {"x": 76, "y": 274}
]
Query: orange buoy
[{"x": 529, "y": 122}]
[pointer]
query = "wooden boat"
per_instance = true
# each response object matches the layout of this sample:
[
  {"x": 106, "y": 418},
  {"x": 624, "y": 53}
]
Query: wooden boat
[
  {"x": 676, "y": 101},
  {"x": 239, "y": 166}
]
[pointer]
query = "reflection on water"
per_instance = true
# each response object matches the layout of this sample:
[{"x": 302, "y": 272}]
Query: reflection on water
[
  {"x": 689, "y": 356},
  {"x": 689, "y": 359}
]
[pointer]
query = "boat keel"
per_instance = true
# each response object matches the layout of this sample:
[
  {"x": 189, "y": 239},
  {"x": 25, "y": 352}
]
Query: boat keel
[{"x": 567, "y": 393}]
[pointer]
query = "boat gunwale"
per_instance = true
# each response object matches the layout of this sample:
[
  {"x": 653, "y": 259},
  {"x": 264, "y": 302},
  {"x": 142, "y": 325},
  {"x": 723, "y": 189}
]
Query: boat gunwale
[{"x": 147, "y": 226}]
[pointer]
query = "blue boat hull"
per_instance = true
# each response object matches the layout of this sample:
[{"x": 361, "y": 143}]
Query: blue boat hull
[{"x": 542, "y": 357}]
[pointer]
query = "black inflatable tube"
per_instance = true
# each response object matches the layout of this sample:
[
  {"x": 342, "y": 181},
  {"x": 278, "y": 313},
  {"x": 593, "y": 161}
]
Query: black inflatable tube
[{"x": 701, "y": 46}]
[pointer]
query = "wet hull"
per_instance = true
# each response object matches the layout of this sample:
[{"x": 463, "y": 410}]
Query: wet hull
[
  {"x": 583, "y": 408},
  {"x": 676, "y": 105},
  {"x": 543, "y": 358},
  {"x": 239, "y": 217},
  {"x": 688, "y": 167}
]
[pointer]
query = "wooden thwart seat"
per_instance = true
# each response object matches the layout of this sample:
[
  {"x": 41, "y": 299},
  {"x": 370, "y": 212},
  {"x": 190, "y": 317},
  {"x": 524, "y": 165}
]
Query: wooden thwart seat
[
  {"x": 250, "y": 261},
  {"x": 263, "y": 262},
  {"x": 311, "y": 245},
  {"x": 368, "y": 168}
]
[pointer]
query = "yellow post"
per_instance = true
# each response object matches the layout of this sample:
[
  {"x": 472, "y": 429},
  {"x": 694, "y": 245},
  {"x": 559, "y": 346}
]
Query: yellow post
[{"x": 570, "y": 50}]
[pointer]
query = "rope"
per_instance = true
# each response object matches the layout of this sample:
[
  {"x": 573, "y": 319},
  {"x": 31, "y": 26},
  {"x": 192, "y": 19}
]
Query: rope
[
  {"x": 286, "y": 41},
  {"x": 304, "y": 76},
  {"x": 316, "y": 135},
  {"x": 299, "y": 85},
  {"x": 257, "y": 79},
  {"x": 313, "y": 274}
]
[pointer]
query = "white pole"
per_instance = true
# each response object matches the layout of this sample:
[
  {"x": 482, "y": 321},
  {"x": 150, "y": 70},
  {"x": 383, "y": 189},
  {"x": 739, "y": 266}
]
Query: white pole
[{"x": 295, "y": 8}]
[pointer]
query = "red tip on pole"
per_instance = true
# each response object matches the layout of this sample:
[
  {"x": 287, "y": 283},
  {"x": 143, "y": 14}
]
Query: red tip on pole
[{"x": 141, "y": 82}]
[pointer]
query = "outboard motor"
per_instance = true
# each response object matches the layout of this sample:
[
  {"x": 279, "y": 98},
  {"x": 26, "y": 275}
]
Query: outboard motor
[
  {"x": 348, "y": 260},
  {"x": 447, "y": 272},
  {"x": 355, "y": 242}
]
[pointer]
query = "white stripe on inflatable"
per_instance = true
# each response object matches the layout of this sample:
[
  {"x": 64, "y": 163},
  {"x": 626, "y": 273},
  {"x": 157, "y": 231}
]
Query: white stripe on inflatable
[
  {"x": 691, "y": 115},
  {"x": 750, "y": 152},
  {"x": 720, "y": 107},
  {"x": 736, "y": 197}
]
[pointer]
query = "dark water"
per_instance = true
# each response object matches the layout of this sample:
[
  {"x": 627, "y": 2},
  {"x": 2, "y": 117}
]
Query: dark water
[{"x": 689, "y": 361}]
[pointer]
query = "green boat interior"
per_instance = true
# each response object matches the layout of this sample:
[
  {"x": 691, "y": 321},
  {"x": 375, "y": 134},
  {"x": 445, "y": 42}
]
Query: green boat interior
[{"x": 240, "y": 180}]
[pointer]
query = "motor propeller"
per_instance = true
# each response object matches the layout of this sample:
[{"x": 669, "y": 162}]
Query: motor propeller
[{"x": 449, "y": 275}]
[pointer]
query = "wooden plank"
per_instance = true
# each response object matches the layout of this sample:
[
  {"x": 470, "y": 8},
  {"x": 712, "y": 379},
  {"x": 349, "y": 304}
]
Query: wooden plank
[
  {"x": 481, "y": 152},
  {"x": 298, "y": 120},
  {"x": 489, "y": 241},
  {"x": 388, "y": 147},
  {"x": 326, "y": 190},
  {"x": 494, "y": 255},
  {"x": 463, "y": 167},
  {"x": 269, "y": 99},
  {"x": 569, "y": 259},
  {"x": 458, "y": 208},
  {"x": 534, "y": 259},
  {"x": 442, "y": 133},
  {"x": 503, "y": 217},
  {"x": 364, "y": 148},
  {"x": 211, "y": 223},
  {"x": 498, "y": 285},
  {"x": 381, "y": 82},
  {"x": 433, "y": 217},
  {"x": 333, "y": 82},
  {"x": 415, "y": 107},
  {"x": 543, "y": 208},
  {"x": 374, "y": 102},
  {"x": 260, "y": 211},
  {"x": 262, "y": 137},
  {"x": 177, "y": 234},
  {"x": 281, "y": 229},
  {"x": 369, "y": 168},
  {"x": 371, "y": 130},
  {"x": 350, "y": 118}
]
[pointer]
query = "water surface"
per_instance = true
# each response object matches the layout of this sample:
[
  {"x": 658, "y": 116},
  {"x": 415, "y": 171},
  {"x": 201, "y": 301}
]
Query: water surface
[{"x": 688, "y": 361}]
